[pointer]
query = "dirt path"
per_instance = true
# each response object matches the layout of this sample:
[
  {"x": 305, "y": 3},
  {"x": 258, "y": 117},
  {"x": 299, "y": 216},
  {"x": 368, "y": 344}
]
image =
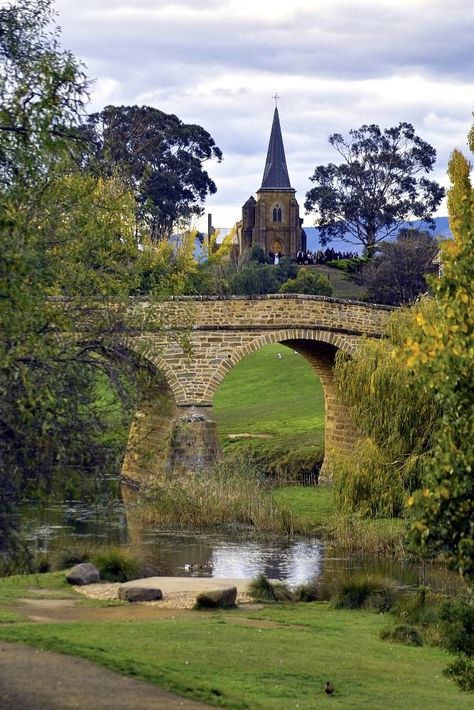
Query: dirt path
[{"x": 31, "y": 679}]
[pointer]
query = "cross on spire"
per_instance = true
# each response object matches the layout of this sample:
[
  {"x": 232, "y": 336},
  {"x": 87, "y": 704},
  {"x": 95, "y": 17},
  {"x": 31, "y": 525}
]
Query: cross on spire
[{"x": 276, "y": 97}]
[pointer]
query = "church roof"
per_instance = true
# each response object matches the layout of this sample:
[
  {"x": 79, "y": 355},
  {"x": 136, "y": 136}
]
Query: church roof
[{"x": 275, "y": 175}]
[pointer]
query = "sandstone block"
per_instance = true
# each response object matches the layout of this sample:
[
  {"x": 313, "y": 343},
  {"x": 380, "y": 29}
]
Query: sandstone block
[
  {"x": 217, "y": 598},
  {"x": 83, "y": 573}
]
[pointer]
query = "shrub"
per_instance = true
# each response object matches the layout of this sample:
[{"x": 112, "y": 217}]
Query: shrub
[
  {"x": 403, "y": 633},
  {"x": 308, "y": 282},
  {"x": 116, "y": 564},
  {"x": 365, "y": 593},
  {"x": 457, "y": 626},
  {"x": 462, "y": 671},
  {"x": 279, "y": 464},
  {"x": 262, "y": 590},
  {"x": 421, "y": 608}
]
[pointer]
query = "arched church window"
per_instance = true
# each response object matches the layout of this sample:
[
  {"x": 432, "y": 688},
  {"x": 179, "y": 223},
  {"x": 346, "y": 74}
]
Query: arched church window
[{"x": 277, "y": 214}]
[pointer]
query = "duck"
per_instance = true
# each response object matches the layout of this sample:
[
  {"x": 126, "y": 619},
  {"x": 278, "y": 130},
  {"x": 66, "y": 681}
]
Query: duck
[{"x": 329, "y": 688}]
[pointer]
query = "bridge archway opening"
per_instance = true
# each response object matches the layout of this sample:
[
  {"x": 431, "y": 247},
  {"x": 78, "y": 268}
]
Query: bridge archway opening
[
  {"x": 331, "y": 421},
  {"x": 273, "y": 401}
]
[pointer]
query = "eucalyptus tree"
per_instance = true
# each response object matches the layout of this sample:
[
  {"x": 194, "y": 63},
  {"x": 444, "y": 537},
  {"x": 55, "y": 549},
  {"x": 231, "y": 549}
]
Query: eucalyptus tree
[{"x": 378, "y": 186}]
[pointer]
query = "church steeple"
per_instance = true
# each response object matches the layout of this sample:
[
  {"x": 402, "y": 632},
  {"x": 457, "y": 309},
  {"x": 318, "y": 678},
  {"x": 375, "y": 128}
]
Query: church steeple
[{"x": 275, "y": 175}]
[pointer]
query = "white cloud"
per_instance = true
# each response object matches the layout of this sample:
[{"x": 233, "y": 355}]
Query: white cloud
[{"x": 336, "y": 63}]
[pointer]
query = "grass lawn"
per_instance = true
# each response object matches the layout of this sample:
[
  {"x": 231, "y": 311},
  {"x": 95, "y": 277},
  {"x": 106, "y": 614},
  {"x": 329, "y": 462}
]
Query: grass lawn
[
  {"x": 276, "y": 658},
  {"x": 265, "y": 394}
]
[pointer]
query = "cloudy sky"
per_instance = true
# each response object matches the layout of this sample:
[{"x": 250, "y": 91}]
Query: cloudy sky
[{"x": 337, "y": 64}]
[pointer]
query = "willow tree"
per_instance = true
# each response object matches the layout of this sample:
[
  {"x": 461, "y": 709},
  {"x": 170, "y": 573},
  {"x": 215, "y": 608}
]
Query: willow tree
[{"x": 395, "y": 418}]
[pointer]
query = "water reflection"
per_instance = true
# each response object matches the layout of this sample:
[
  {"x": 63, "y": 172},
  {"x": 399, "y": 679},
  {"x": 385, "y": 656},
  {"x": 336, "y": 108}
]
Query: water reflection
[{"x": 216, "y": 553}]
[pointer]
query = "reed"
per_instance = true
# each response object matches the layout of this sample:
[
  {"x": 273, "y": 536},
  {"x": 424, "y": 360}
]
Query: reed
[{"x": 231, "y": 493}]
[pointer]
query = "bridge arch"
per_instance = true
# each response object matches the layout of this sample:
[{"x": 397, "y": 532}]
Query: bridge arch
[{"x": 319, "y": 349}]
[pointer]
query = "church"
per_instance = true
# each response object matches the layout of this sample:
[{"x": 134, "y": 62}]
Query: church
[{"x": 272, "y": 221}]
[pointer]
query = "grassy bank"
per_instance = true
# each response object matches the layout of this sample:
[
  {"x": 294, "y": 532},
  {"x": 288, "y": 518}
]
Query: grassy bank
[
  {"x": 312, "y": 511},
  {"x": 272, "y": 658}
]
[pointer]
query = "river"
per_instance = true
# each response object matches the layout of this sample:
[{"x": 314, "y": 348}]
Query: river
[{"x": 215, "y": 553}]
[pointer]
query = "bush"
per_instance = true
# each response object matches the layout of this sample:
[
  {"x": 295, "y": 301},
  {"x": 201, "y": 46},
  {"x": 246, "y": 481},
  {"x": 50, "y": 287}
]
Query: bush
[
  {"x": 116, "y": 564},
  {"x": 262, "y": 590},
  {"x": 462, "y": 671},
  {"x": 421, "y": 609},
  {"x": 403, "y": 633},
  {"x": 308, "y": 282},
  {"x": 365, "y": 593},
  {"x": 457, "y": 626}
]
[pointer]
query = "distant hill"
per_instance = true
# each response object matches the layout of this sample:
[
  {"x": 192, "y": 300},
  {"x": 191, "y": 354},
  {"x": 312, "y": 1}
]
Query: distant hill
[{"x": 312, "y": 234}]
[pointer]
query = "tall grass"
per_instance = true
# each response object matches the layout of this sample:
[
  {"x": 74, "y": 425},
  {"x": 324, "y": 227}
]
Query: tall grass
[
  {"x": 384, "y": 536},
  {"x": 230, "y": 493}
]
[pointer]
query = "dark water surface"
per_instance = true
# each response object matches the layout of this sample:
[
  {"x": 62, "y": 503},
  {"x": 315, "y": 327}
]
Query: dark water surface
[{"x": 222, "y": 553}]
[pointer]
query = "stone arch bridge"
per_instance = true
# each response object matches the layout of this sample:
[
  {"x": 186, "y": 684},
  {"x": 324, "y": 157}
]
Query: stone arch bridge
[{"x": 196, "y": 341}]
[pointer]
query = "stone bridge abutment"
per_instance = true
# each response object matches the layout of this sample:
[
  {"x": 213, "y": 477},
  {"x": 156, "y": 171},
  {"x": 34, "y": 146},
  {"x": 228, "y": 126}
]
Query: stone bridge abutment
[{"x": 195, "y": 342}]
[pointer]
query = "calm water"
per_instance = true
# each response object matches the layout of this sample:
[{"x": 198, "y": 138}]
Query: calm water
[{"x": 215, "y": 553}]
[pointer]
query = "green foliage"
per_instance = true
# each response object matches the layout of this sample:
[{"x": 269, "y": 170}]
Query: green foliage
[
  {"x": 457, "y": 628},
  {"x": 116, "y": 564},
  {"x": 307, "y": 282},
  {"x": 440, "y": 355},
  {"x": 280, "y": 465},
  {"x": 365, "y": 593},
  {"x": 309, "y": 592},
  {"x": 64, "y": 234},
  {"x": 403, "y": 633},
  {"x": 367, "y": 483},
  {"x": 421, "y": 608},
  {"x": 160, "y": 157},
  {"x": 396, "y": 416},
  {"x": 379, "y": 536},
  {"x": 462, "y": 671}
]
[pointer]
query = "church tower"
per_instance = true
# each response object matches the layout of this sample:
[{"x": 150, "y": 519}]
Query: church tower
[{"x": 272, "y": 221}]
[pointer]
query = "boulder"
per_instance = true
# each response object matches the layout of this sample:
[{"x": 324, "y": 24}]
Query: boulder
[
  {"x": 83, "y": 573},
  {"x": 139, "y": 594},
  {"x": 223, "y": 598}
]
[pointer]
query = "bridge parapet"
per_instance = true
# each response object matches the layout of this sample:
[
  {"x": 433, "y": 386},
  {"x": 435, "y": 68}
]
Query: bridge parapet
[{"x": 261, "y": 312}]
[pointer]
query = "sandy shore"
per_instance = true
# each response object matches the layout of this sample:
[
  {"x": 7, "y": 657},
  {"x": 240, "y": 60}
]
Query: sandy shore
[{"x": 178, "y": 592}]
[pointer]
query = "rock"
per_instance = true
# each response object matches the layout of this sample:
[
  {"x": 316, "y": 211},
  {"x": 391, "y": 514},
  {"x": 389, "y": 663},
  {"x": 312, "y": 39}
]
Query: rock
[
  {"x": 139, "y": 594},
  {"x": 83, "y": 573},
  {"x": 223, "y": 598}
]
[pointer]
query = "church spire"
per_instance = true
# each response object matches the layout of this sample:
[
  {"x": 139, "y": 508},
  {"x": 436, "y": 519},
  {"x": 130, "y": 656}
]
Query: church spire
[{"x": 275, "y": 175}]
